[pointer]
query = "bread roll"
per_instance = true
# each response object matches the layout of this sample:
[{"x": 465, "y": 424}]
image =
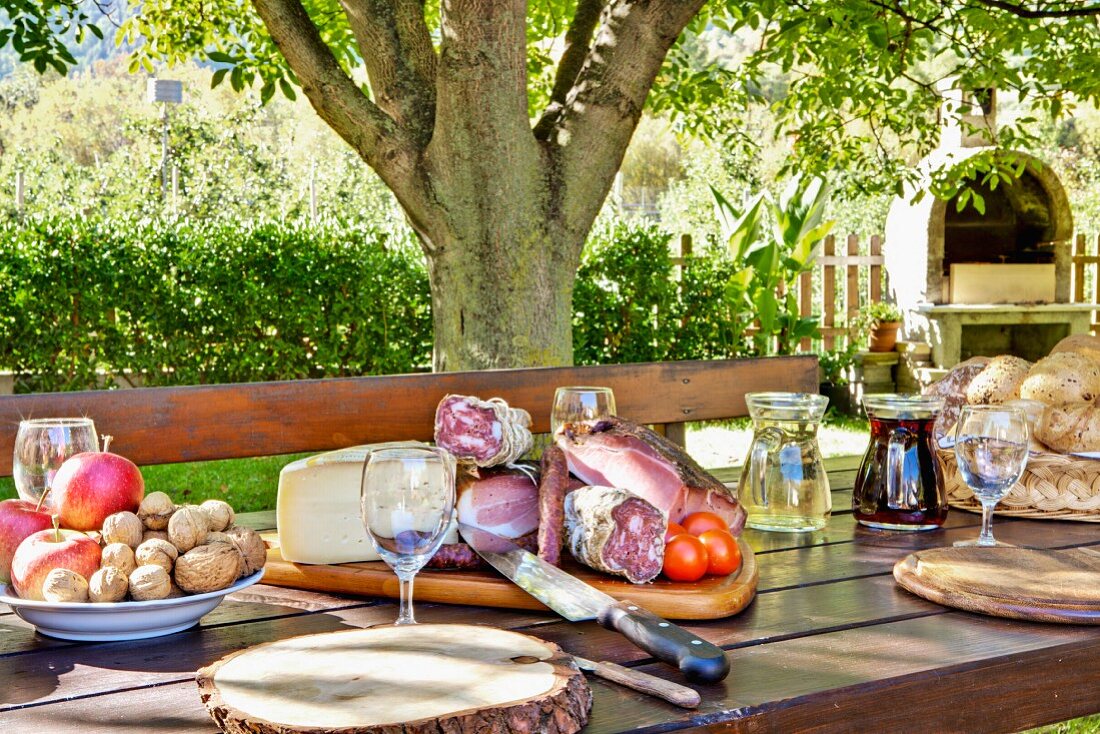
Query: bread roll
[
  {"x": 952, "y": 388},
  {"x": 1085, "y": 344},
  {"x": 999, "y": 382},
  {"x": 1062, "y": 378},
  {"x": 1034, "y": 410},
  {"x": 1071, "y": 428}
]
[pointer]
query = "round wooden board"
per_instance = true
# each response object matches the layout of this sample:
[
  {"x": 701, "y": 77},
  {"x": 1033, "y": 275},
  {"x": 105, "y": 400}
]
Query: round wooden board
[
  {"x": 1019, "y": 583},
  {"x": 398, "y": 680}
]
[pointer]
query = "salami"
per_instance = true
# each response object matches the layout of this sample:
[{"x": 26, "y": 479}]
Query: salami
[
  {"x": 487, "y": 432},
  {"x": 552, "y": 486},
  {"x": 614, "y": 531},
  {"x": 456, "y": 556}
]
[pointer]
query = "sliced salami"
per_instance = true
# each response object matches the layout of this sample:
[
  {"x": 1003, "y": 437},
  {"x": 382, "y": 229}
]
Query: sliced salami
[
  {"x": 487, "y": 432},
  {"x": 614, "y": 531}
]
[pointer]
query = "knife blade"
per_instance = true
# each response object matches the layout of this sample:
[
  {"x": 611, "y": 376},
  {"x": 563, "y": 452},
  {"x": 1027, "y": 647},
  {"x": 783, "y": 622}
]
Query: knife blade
[
  {"x": 575, "y": 600},
  {"x": 682, "y": 696}
]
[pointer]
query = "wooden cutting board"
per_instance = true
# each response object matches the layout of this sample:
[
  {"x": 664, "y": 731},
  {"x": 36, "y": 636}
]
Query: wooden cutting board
[
  {"x": 712, "y": 597},
  {"x": 424, "y": 677},
  {"x": 1020, "y": 583}
]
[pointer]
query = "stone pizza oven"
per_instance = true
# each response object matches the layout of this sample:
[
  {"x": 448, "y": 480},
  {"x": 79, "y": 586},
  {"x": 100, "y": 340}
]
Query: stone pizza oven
[{"x": 987, "y": 283}]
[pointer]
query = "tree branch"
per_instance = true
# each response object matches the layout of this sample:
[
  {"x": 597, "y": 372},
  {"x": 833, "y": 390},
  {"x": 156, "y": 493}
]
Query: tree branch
[
  {"x": 577, "y": 41},
  {"x": 1051, "y": 11},
  {"x": 604, "y": 106},
  {"x": 397, "y": 51},
  {"x": 385, "y": 146}
]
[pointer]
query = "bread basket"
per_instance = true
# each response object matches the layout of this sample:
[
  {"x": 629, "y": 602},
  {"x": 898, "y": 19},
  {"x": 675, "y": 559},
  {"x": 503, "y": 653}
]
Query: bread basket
[{"x": 1054, "y": 487}]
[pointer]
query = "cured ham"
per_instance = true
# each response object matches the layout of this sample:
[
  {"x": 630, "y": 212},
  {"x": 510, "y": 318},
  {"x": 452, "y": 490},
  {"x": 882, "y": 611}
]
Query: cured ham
[
  {"x": 487, "y": 432},
  {"x": 618, "y": 453},
  {"x": 504, "y": 501},
  {"x": 612, "y": 530}
]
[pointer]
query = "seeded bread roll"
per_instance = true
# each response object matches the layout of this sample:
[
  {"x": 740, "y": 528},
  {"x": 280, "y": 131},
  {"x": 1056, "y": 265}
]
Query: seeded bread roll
[
  {"x": 1062, "y": 378},
  {"x": 1071, "y": 428},
  {"x": 952, "y": 388},
  {"x": 999, "y": 382},
  {"x": 1085, "y": 344}
]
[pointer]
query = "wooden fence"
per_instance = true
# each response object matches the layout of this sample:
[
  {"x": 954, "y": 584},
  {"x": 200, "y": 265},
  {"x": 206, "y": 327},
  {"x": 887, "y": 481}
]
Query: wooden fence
[
  {"x": 846, "y": 276},
  {"x": 1086, "y": 284}
]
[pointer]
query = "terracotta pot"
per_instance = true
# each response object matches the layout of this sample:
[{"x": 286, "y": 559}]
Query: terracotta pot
[{"x": 884, "y": 336}]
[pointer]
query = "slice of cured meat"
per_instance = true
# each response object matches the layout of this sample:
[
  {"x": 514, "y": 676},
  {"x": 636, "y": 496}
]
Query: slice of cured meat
[
  {"x": 553, "y": 482},
  {"x": 611, "y": 530},
  {"x": 618, "y": 453},
  {"x": 488, "y": 432},
  {"x": 456, "y": 556},
  {"x": 503, "y": 500}
]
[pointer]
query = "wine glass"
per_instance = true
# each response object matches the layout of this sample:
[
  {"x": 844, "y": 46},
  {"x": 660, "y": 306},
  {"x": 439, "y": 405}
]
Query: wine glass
[
  {"x": 41, "y": 447},
  {"x": 581, "y": 405},
  {"x": 407, "y": 499},
  {"x": 991, "y": 449}
]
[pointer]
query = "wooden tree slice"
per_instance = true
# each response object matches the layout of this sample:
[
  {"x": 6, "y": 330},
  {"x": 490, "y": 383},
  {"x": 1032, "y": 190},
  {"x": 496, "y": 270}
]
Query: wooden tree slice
[{"x": 398, "y": 680}]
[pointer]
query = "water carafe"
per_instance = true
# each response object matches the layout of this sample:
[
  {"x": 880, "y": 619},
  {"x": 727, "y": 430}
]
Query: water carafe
[
  {"x": 900, "y": 485},
  {"x": 783, "y": 485}
]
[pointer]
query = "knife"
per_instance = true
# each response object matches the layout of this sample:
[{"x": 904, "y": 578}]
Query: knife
[
  {"x": 575, "y": 600},
  {"x": 682, "y": 696}
]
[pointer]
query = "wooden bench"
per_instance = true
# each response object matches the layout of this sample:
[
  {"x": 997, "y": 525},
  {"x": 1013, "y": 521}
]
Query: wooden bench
[{"x": 175, "y": 424}]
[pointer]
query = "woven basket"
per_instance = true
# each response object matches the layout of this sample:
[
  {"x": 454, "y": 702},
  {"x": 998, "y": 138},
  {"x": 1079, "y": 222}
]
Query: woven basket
[{"x": 1054, "y": 487}]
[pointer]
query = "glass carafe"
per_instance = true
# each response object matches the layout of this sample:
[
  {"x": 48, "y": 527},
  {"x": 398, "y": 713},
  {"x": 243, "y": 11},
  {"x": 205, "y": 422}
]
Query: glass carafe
[
  {"x": 783, "y": 485},
  {"x": 899, "y": 485}
]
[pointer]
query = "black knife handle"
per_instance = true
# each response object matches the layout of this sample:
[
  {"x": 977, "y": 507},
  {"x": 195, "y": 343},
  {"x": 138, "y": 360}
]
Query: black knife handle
[{"x": 698, "y": 659}]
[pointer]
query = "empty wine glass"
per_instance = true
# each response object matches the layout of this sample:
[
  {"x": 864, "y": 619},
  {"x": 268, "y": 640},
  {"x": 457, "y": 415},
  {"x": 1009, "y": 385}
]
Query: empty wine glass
[
  {"x": 41, "y": 447},
  {"x": 407, "y": 499},
  {"x": 991, "y": 450},
  {"x": 581, "y": 405}
]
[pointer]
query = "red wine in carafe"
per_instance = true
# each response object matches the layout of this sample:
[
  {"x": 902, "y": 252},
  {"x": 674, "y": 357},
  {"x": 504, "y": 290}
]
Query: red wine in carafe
[{"x": 919, "y": 501}]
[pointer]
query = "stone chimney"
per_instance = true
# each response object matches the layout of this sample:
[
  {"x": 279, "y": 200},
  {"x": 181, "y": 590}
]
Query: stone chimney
[{"x": 972, "y": 128}]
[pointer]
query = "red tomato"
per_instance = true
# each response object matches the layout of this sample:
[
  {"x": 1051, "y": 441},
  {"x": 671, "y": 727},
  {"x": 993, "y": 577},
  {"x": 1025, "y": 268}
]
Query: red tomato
[
  {"x": 685, "y": 558},
  {"x": 698, "y": 523},
  {"x": 673, "y": 531},
  {"x": 723, "y": 553}
]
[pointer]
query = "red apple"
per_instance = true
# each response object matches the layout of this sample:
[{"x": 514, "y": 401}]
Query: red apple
[
  {"x": 18, "y": 519},
  {"x": 90, "y": 486},
  {"x": 46, "y": 550}
]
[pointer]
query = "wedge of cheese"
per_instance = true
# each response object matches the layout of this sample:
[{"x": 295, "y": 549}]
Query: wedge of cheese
[{"x": 317, "y": 511}]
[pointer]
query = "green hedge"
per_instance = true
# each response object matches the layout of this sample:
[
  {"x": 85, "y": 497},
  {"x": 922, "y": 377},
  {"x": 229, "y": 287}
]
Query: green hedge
[
  {"x": 206, "y": 303},
  {"x": 87, "y": 303}
]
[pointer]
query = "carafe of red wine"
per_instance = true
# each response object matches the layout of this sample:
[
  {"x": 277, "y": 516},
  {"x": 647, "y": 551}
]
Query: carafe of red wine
[{"x": 900, "y": 485}]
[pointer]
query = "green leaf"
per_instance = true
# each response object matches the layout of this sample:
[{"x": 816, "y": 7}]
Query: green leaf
[{"x": 218, "y": 77}]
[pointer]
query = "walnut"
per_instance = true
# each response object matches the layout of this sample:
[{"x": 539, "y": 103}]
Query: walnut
[
  {"x": 123, "y": 527},
  {"x": 157, "y": 552},
  {"x": 108, "y": 584},
  {"x": 155, "y": 510},
  {"x": 252, "y": 549},
  {"x": 159, "y": 534},
  {"x": 61, "y": 584},
  {"x": 187, "y": 528},
  {"x": 150, "y": 582},
  {"x": 119, "y": 555},
  {"x": 217, "y": 537},
  {"x": 219, "y": 515},
  {"x": 208, "y": 568},
  {"x": 175, "y": 592}
]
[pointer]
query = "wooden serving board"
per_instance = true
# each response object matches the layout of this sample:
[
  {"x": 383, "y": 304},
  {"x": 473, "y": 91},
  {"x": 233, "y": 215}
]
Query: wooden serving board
[
  {"x": 712, "y": 597},
  {"x": 1019, "y": 583}
]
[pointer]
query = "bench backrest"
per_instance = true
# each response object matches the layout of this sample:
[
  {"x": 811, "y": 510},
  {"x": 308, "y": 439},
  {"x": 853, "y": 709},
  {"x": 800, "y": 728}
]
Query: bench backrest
[{"x": 172, "y": 424}]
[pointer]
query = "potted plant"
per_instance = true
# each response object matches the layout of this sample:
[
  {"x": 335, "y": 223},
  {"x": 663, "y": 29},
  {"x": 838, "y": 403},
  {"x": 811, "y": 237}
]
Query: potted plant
[
  {"x": 879, "y": 322},
  {"x": 834, "y": 370}
]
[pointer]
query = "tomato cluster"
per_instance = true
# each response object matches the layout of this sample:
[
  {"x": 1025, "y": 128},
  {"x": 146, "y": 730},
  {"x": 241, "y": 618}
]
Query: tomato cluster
[{"x": 701, "y": 545}]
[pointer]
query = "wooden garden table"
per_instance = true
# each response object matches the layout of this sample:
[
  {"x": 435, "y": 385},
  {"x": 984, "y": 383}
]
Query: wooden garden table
[{"x": 830, "y": 644}]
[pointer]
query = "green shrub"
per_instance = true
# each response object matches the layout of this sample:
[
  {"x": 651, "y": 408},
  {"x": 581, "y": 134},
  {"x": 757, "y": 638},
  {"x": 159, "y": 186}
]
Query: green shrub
[{"x": 197, "y": 303}]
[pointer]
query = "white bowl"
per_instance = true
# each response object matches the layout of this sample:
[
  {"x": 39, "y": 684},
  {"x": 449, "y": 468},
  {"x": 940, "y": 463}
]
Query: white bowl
[{"x": 124, "y": 620}]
